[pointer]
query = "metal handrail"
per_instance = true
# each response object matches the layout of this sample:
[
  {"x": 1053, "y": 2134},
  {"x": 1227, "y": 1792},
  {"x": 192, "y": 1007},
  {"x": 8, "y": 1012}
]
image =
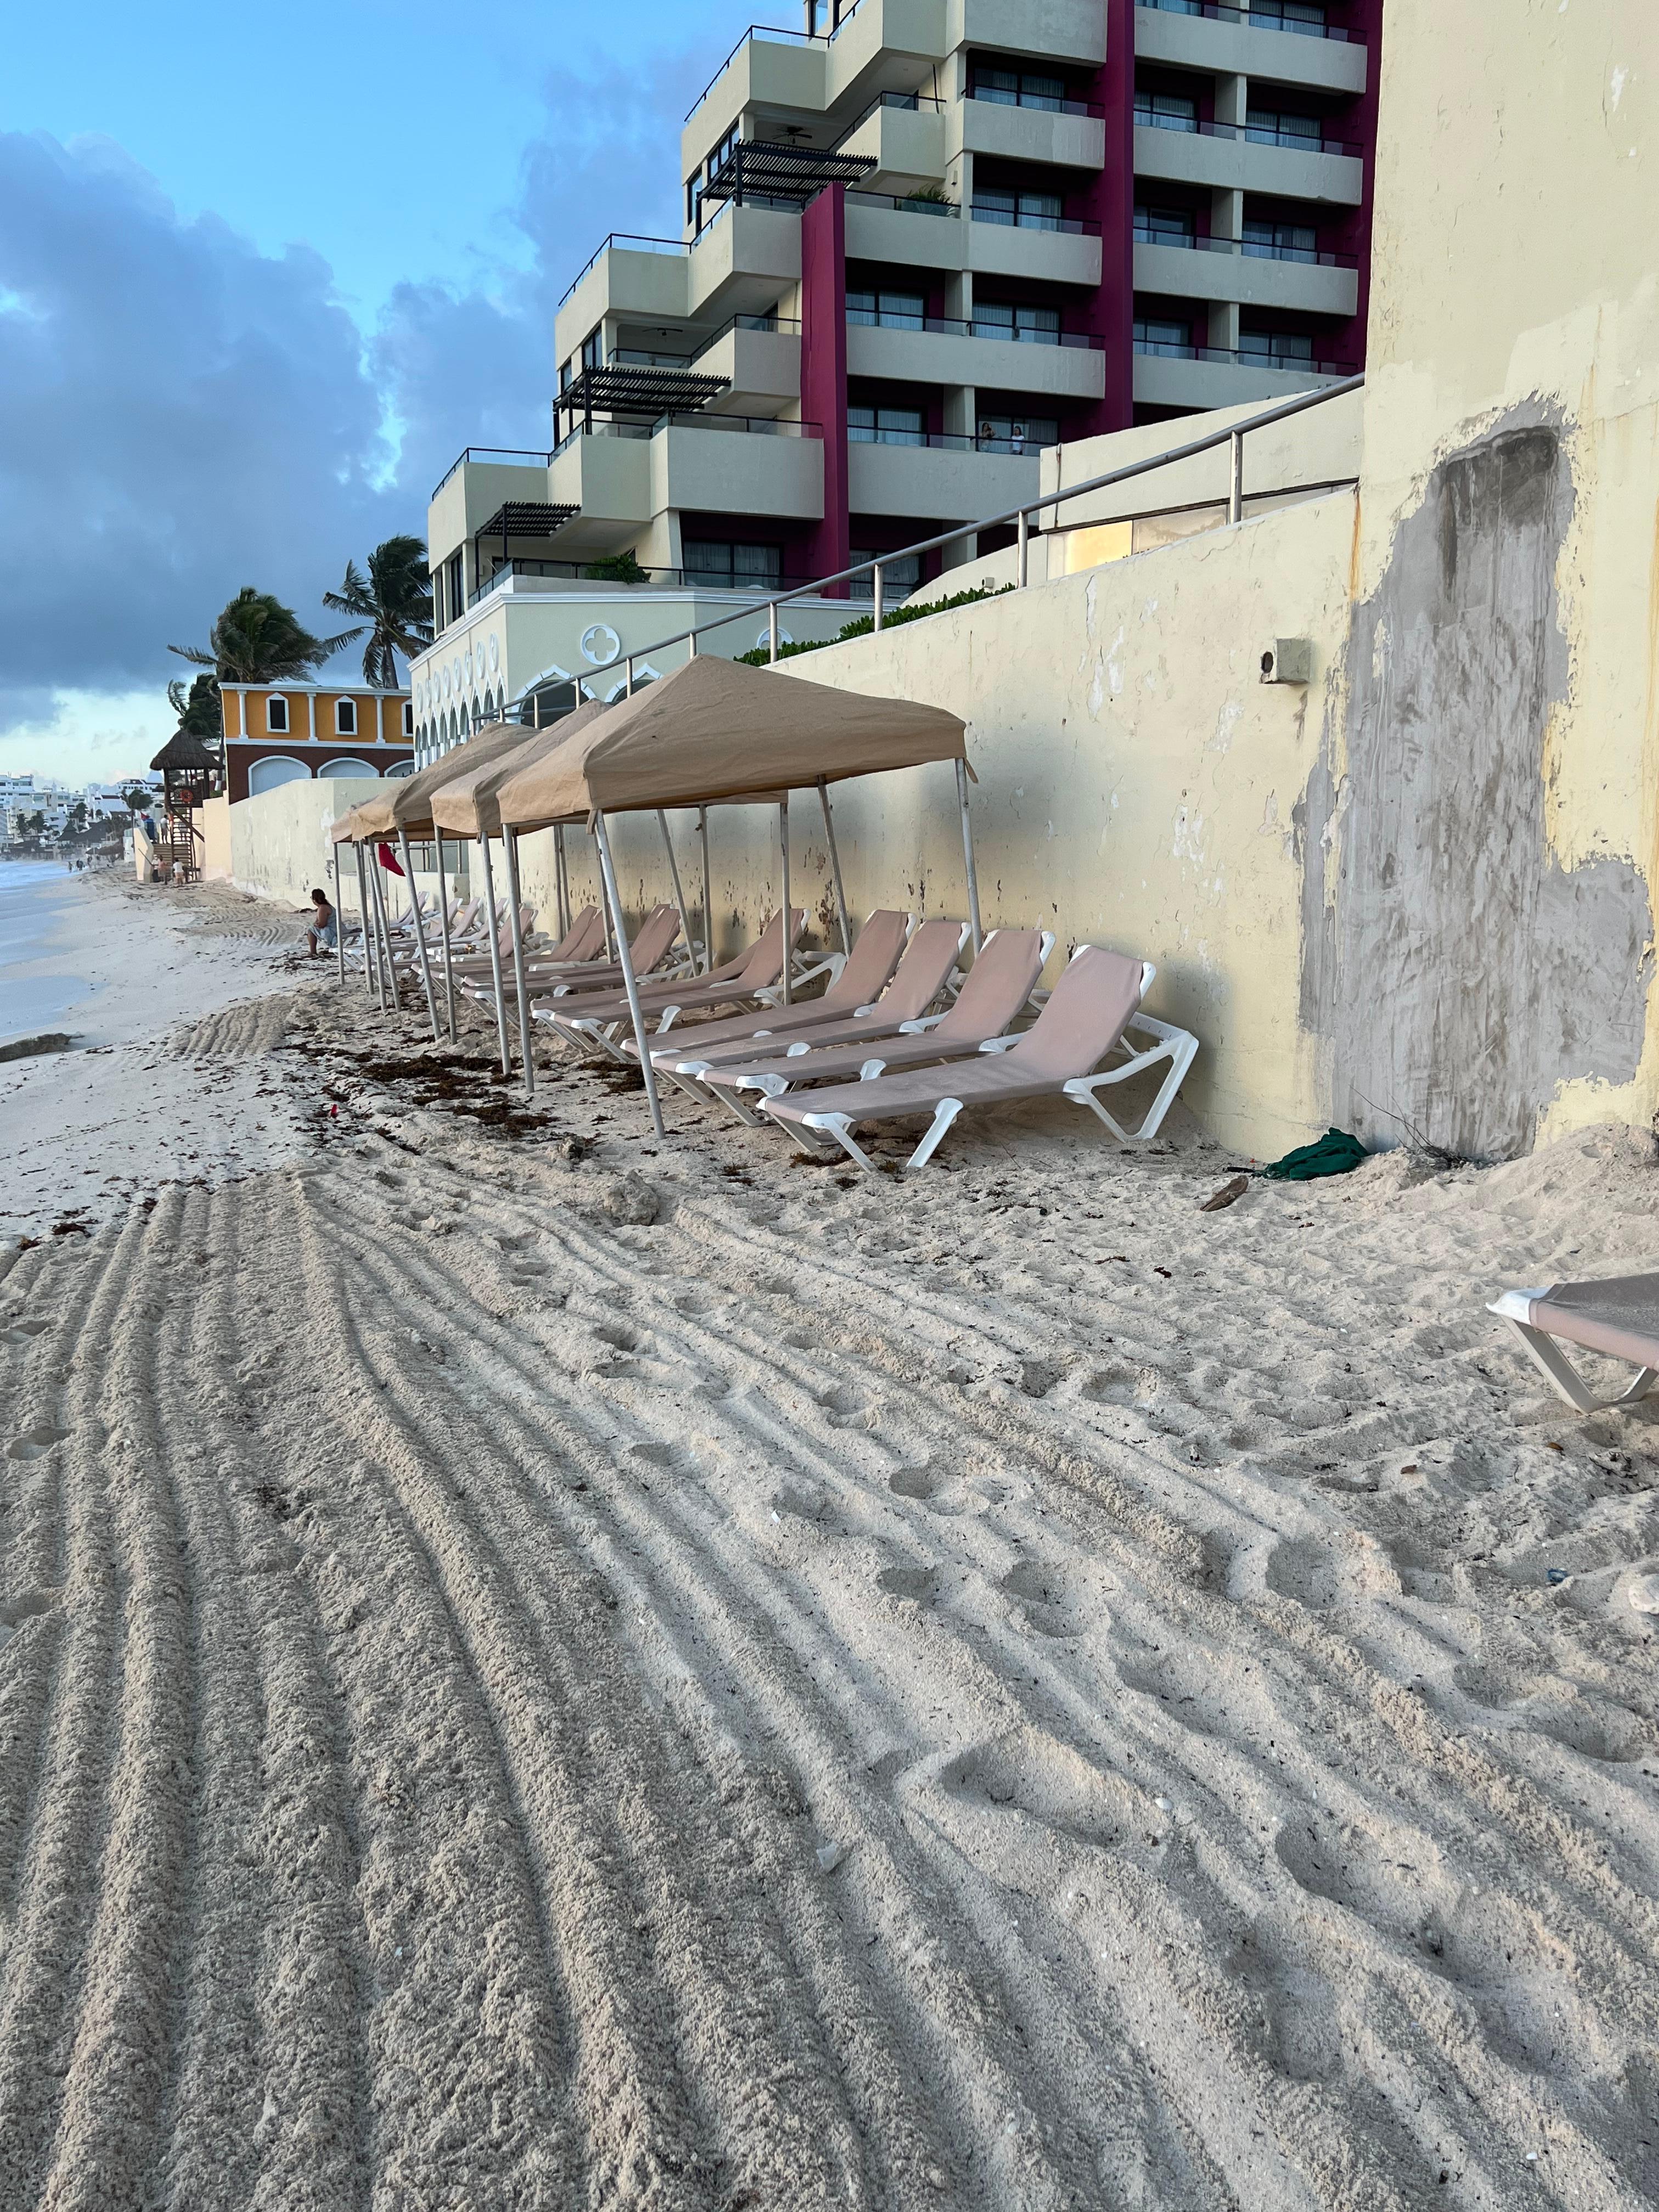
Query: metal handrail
[
  {"x": 1233, "y": 435},
  {"x": 507, "y": 454},
  {"x": 1251, "y": 18},
  {"x": 624, "y": 238}
]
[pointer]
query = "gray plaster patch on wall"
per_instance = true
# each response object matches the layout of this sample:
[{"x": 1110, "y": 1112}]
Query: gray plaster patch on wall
[{"x": 1458, "y": 971}]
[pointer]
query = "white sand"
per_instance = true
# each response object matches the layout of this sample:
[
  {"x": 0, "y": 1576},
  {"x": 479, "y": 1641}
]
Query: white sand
[{"x": 1005, "y": 1690}]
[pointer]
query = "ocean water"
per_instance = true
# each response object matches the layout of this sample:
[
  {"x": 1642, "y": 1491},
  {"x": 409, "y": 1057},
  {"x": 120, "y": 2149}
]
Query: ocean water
[{"x": 33, "y": 989}]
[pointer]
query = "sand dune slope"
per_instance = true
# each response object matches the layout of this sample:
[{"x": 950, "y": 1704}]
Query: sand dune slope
[{"x": 826, "y": 1697}]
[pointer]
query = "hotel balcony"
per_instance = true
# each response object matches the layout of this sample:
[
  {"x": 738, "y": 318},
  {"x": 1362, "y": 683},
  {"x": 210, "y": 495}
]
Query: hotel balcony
[
  {"x": 1196, "y": 378},
  {"x": 937, "y": 352},
  {"x": 741, "y": 261},
  {"x": 1068, "y": 135},
  {"x": 621, "y": 475},
  {"x": 643, "y": 279},
  {"x": 1229, "y": 42},
  {"x": 480, "y": 484},
  {"x": 945, "y": 479},
  {"x": 919, "y": 233},
  {"x": 1222, "y": 157},
  {"x": 1219, "y": 269}
]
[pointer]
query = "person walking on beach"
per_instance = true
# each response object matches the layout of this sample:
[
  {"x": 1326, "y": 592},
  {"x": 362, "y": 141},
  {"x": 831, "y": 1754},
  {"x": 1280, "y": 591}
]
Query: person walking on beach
[{"x": 321, "y": 935}]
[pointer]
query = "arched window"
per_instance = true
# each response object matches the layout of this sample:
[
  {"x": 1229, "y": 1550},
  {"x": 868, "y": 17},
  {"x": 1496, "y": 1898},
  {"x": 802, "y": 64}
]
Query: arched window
[
  {"x": 276, "y": 714},
  {"x": 345, "y": 717},
  {"x": 347, "y": 768},
  {"x": 276, "y": 770}
]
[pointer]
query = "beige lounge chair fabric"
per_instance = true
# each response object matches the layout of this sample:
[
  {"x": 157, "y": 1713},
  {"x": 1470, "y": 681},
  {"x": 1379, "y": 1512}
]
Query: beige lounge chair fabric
[
  {"x": 998, "y": 986},
  {"x": 758, "y": 969},
  {"x": 716, "y": 730},
  {"x": 1618, "y": 1318},
  {"x": 867, "y": 970}
]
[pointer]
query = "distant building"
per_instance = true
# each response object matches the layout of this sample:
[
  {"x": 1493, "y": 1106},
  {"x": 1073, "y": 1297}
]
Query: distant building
[{"x": 277, "y": 734}]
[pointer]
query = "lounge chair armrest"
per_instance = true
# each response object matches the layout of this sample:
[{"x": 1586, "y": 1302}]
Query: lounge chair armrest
[
  {"x": 918, "y": 1029},
  {"x": 1001, "y": 1043},
  {"x": 1179, "y": 1047},
  {"x": 794, "y": 1051},
  {"x": 1516, "y": 1305}
]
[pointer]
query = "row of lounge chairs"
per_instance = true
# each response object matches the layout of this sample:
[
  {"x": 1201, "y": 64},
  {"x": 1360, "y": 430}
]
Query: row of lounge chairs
[{"x": 900, "y": 1029}]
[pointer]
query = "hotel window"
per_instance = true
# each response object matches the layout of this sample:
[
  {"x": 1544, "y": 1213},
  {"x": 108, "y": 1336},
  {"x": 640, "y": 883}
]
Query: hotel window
[
  {"x": 1016, "y": 434},
  {"x": 1023, "y": 211},
  {"x": 717, "y": 566},
  {"x": 1298, "y": 15},
  {"x": 1019, "y": 89},
  {"x": 1277, "y": 348},
  {"x": 1278, "y": 126},
  {"x": 1280, "y": 241},
  {"x": 1162, "y": 226},
  {"x": 345, "y": 718},
  {"x": 455, "y": 594},
  {"x": 593, "y": 348},
  {"x": 899, "y": 578},
  {"x": 1155, "y": 336},
  {"x": 409, "y": 718},
  {"x": 892, "y": 311},
  {"x": 276, "y": 714},
  {"x": 1001, "y": 318},
  {"x": 1166, "y": 111},
  {"x": 884, "y": 426}
]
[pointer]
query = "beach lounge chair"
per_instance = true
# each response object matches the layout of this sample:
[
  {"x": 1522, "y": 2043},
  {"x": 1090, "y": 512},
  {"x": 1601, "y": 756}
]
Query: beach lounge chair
[
  {"x": 999, "y": 986},
  {"x": 864, "y": 974},
  {"x": 1094, "y": 1003},
  {"x": 585, "y": 1019},
  {"x": 1618, "y": 1318},
  {"x": 649, "y": 946}
]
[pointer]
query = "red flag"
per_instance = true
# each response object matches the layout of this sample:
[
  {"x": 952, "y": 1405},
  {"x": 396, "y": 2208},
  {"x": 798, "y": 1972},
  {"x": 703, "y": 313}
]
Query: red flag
[{"x": 389, "y": 859}]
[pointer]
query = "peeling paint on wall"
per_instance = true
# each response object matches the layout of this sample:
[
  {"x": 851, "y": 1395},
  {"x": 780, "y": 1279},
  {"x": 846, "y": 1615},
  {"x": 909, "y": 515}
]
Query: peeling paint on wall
[{"x": 1456, "y": 970}]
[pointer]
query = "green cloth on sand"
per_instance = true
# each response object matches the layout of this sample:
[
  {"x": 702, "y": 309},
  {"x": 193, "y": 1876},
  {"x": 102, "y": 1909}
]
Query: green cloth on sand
[{"x": 1335, "y": 1153}]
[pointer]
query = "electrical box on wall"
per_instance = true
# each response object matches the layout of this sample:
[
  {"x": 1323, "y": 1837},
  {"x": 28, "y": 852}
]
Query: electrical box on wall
[{"x": 1288, "y": 660}]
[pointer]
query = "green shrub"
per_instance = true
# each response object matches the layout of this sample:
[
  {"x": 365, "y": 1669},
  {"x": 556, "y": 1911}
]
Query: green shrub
[{"x": 866, "y": 624}]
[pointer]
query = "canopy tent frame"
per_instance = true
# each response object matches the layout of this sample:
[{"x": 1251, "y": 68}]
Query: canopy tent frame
[{"x": 419, "y": 924}]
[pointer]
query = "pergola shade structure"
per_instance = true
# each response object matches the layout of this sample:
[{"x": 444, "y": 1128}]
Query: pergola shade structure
[
  {"x": 521, "y": 518},
  {"x": 783, "y": 173},
  {"x": 716, "y": 731},
  {"x": 628, "y": 390}
]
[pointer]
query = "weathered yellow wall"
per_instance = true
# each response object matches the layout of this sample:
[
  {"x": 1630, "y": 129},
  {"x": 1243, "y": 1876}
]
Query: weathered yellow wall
[
  {"x": 279, "y": 841},
  {"x": 215, "y": 839}
]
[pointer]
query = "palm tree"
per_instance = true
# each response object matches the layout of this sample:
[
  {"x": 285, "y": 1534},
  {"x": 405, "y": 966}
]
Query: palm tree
[
  {"x": 394, "y": 603},
  {"x": 256, "y": 639}
]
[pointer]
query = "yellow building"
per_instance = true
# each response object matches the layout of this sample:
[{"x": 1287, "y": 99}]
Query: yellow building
[{"x": 277, "y": 733}]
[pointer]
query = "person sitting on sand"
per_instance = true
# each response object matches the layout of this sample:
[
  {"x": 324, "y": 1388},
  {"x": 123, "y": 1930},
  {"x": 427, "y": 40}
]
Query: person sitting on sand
[{"x": 321, "y": 933}]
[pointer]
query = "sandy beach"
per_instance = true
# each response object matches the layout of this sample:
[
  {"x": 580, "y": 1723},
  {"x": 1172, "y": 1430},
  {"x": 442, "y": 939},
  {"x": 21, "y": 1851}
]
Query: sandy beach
[{"x": 543, "y": 1669}]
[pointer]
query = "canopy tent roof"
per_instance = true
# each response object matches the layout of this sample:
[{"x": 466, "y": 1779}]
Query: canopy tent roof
[
  {"x": 407, "y": 804},
  {"x": 717, "y": 730},
  {"x": 466, "y": 806}
]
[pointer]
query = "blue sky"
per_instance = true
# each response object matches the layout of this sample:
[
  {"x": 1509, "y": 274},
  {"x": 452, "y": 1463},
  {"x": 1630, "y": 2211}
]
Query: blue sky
[{"x": 262, "y": 277}]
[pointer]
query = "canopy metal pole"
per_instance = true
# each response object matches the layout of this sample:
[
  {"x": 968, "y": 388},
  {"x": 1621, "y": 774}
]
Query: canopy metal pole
[
  {"x": 495, "y": 956},
  {"x": 339, "y": 925},
  {"x": 610, "y": 936},
  {"x": 967, "y": 855},
  {"x": 783, "y": 871},
  {"x": 449, "y": 950},
  {"x": 389, "y": 1002},
  {"x": 613, "y": 898},
  {"x": 772, "y": 631},
  {"x": 834, "y": 865},
  {"x": 509, "y": 839},
  {"x": 420, "y": 930},
  {"x": 371, "y": 966},
  {"x": 674, "y": 870},
  {"x": 707, "y": 895},
  {"x": 561, "y": 881}
]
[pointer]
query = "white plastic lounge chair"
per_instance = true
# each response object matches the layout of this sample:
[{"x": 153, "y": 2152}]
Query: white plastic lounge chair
[
  {"x": 1094, "y": 1001},
  {"x": 585, "y": 1019},
  {"x": 864, "y": 973},
  {"x": 1619, "y": 1318},
  {"x": 998, "y": 988},
  {"x": 648, "y": 948}
]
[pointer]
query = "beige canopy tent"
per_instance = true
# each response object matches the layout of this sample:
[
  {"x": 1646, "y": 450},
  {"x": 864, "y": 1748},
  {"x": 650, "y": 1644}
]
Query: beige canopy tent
[
  {"x": 466, "y": 807},
  {"x": 403, "y": 810},
  {"x": 718, "y": 730}
]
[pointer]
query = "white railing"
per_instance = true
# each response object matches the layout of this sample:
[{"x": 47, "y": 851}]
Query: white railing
[{"x": 1233, "y": 435}]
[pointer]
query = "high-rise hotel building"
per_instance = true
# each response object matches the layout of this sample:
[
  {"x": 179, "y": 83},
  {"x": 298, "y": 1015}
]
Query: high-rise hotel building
[{"x": 921, "y": 241}]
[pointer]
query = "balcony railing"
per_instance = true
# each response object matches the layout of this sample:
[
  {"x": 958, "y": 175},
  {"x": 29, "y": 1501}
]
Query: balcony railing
[
  {"x": 629, "y": 356},
  {"x": 1046, "y": 102},
  {"x": 510, "y": 456},
  {"x": 1282, "y": 363},
  {"x": 941, "y": 441},
  {"x": 1257, "y": 134},
  {"x": 1258, "y": 19},
  {"x": 1011, "y": 219},
  {"x": 911, "y": 103},
  {"x": 660, "y": 580},
  {"x": 631, "y": 243},
  {"x": 825, "y": 11},
  {"x": 906, "y": 203},
  {"x": 885, "y": 319},
  {"x": 1250, "y": 249},
  {"x": 759, "y": 426}
]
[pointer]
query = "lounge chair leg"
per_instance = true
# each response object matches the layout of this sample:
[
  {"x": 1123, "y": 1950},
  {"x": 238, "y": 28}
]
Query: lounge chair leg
[
  {"x": 944, "y": 1114},
  {"x": 1548, "y": 1358},
  {"x": 838, "y": 1127}
]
